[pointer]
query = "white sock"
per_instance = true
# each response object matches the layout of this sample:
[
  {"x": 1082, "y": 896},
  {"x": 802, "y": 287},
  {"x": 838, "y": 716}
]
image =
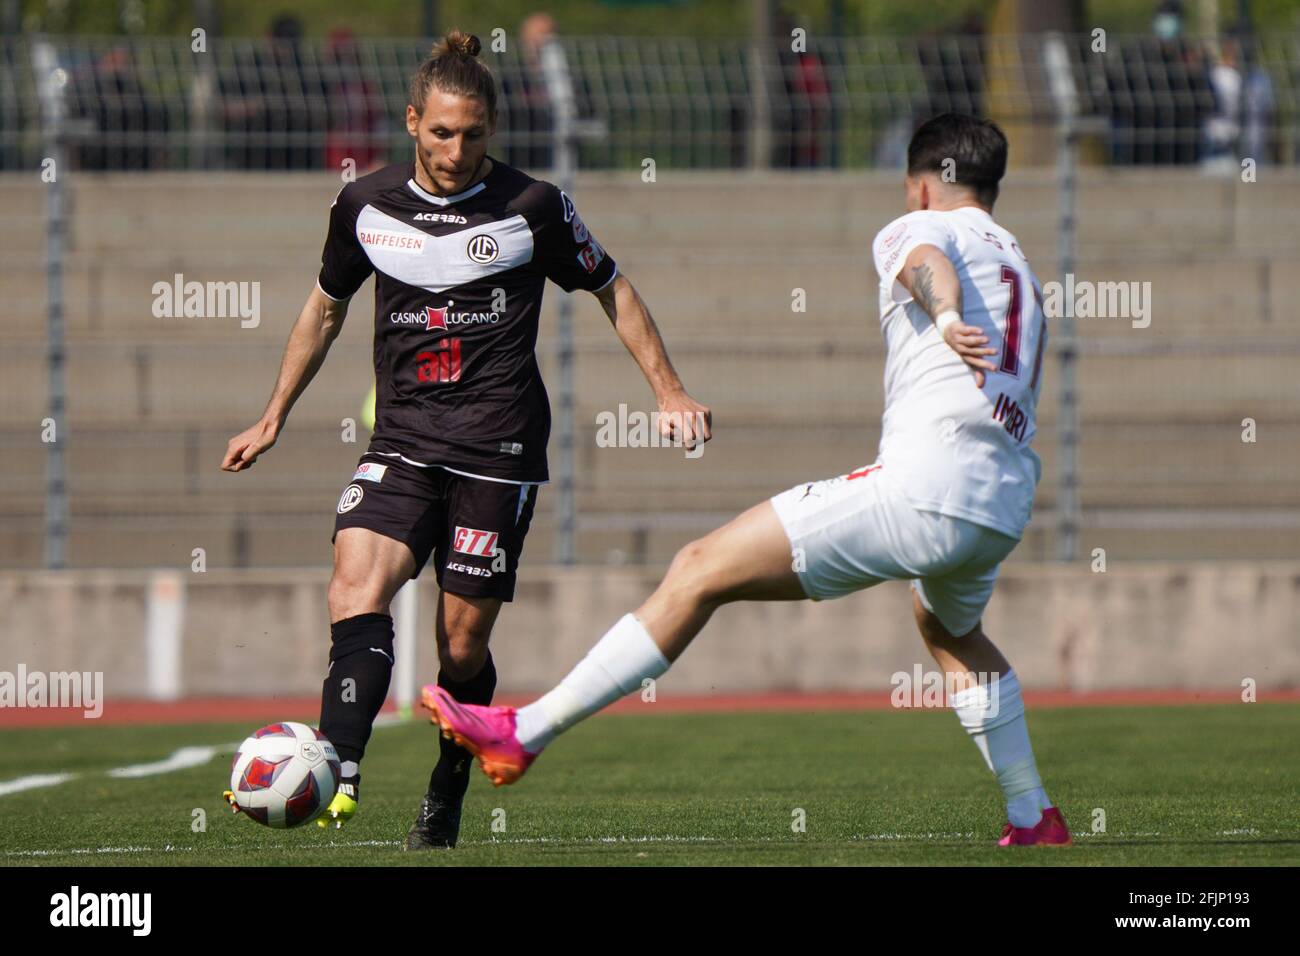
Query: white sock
[
  {"x": 615, "y": 667},
  {"x": 994, "y": 715}
]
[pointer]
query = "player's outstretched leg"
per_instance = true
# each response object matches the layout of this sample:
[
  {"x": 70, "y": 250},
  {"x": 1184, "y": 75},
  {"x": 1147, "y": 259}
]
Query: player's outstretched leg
[
  {"x": 993, "y": 713},
  {"x": 747, "y": 559},
  {"x": 368, "y": 570}
]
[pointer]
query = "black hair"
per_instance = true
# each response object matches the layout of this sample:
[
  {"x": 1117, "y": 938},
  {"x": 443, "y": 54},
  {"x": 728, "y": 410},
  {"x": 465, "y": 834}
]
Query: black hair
[{"x": 970, "y": 150}]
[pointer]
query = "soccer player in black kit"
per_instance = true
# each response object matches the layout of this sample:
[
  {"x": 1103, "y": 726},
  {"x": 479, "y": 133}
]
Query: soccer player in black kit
[{"x": 461, "y": 247}]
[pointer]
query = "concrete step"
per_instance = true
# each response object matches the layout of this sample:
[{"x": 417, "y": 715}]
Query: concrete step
[
  {"x": 176, "y": 473},
  {"x": 307, "y": 544},
  {"x": 781, "y": 379},
  {"x": 1117, "y": 208},
  {"x": 731, "y": 292}
]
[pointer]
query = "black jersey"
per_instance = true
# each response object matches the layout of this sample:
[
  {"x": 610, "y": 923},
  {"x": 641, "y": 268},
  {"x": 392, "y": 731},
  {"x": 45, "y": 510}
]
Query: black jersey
[{"x": 458, "y": 296}]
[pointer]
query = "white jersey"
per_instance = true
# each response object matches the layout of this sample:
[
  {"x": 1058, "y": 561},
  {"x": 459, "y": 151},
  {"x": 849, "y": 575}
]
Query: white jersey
[{"x": 961, "y": 450}]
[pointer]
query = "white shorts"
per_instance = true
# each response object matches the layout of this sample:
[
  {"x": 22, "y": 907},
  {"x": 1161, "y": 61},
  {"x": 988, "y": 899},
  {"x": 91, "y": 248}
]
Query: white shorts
[{"x": 854, "y": 531}]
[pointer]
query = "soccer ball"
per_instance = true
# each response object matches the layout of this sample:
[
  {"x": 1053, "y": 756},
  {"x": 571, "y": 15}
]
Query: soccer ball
[{"x": 284, "y": 775}]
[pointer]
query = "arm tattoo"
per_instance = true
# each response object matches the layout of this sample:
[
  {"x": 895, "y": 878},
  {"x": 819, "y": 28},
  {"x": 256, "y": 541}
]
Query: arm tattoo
[{"x": 923, "y": 290}]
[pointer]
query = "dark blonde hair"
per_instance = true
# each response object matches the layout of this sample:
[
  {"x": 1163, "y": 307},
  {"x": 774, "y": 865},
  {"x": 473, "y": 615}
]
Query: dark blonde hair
[{"x": 453, "y": 66}]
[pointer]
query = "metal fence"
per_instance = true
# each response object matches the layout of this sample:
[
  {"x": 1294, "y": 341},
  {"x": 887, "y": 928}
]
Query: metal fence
[{"x": 270, "y": 104}]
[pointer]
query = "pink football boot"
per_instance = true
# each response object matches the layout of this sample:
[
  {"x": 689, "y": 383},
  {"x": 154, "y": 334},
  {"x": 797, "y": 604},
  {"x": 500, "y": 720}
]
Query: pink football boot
[
  {"x": 1049, "y": 831},
  {"x": 486, "y": 732}
]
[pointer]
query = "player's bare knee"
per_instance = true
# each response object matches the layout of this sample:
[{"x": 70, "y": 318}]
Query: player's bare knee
[
  {"x": 932, "y": 630},
  {"x": 461, "y": 655},
  {"x": 462, "y": 642},
  {"x": 337, "y": 603},
  {"x": 347, "y": 598},
  {"x": 938, "y": 637},
  {"x": 688, "y": 557},
  {"x": 690, "y": 576}
]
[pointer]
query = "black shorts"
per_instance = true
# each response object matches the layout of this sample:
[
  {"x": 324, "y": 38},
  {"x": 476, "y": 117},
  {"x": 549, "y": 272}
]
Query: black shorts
[{"x": 474, "y": 527}]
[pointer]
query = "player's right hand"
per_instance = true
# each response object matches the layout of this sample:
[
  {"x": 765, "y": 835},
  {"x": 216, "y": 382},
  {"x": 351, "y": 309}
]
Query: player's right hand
[
  {"x": 969, "y": 342},
  {"x": 243, "y": 449}
]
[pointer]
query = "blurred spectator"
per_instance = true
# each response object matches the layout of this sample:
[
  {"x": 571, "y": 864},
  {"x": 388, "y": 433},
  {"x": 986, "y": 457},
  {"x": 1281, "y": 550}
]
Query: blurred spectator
[
  {"x": 803, "y": 123},
  {"x": 1223, "y": 126},
  {"x": 1180, "y": 109},
  {"x": 356, "y": 120},
  {"x": 273, "y": 105},
  {"x": 526, "y": 124},
  {"x": 1193, "y": 100},
  {"x": 953, "y": 68},
  {"x": 1258, "y": 103},
  {"x": 1167, "y": 24},
  {"x": 130, "y": 126},
  {"x": 527, "y": 108},
  {"x": 1160, "y": 96}
]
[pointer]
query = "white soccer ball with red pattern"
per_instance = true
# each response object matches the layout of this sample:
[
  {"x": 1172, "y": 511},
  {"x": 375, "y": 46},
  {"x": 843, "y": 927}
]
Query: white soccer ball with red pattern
[{"x": 284, "y": 775}]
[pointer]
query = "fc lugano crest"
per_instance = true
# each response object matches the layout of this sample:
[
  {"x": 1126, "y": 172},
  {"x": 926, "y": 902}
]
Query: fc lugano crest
[
  {"x": 482, "y": 249},
  {"x": 351, "y": 497}
]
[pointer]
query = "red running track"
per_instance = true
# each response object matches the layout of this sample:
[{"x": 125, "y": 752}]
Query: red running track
[{"x": 264, "y": 710}]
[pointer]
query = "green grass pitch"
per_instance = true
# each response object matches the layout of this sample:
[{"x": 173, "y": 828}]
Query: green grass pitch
[{"x": 1181, "y": 786}]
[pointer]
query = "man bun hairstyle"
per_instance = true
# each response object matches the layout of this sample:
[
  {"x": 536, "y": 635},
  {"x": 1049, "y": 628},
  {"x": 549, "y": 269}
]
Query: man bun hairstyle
[
  {"x": 976, "y": 148},
  {"x": 466, "y": 44},
  {"x": 453, "y": 66}
]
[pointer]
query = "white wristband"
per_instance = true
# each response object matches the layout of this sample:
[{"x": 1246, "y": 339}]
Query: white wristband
[{"x": 946, "y": 318}]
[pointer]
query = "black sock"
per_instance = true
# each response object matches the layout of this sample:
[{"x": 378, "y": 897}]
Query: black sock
[
  {"x": 450, "y": 777},
  {"x": 362, "y": 653}
]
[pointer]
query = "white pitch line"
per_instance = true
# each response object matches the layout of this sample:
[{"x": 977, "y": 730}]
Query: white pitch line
[
  {"x": 169, "y": 848},
  {"x": 33, "y": 781},
  {"x": 351, "y": 844},
  {"x": 517, "y": 841},
  {"x": 500, "y": 841},
  {"x": 182, "y": 759},
  {"x": 93, "y": 850}
]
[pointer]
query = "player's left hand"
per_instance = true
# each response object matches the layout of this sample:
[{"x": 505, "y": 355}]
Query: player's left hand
[
  {"x": 683, "y": 419},
  {"x": 970, "y": 343}
]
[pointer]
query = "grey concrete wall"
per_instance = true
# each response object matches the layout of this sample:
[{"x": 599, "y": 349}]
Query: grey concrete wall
[
  {"x": 153, "y": 401},
  {"x": 1158, "y": 625}
]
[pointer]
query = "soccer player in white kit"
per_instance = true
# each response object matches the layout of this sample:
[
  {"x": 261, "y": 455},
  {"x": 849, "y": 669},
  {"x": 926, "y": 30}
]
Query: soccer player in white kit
[{"x": 945, "y": 502}]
